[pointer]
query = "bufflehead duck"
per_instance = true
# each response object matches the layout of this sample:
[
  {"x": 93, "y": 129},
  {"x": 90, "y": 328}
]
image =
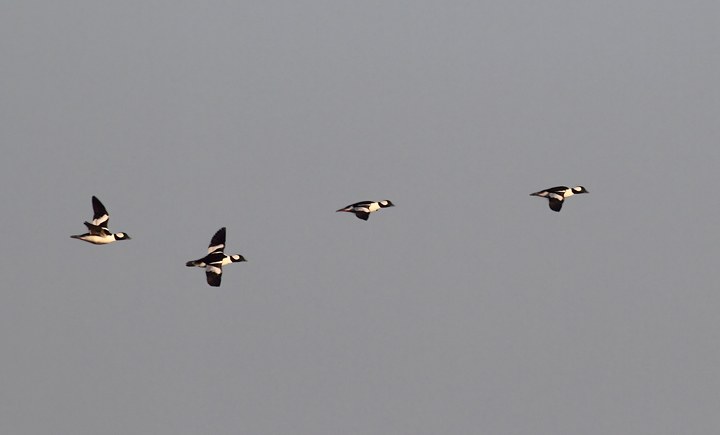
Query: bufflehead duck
[
  {"x": 216, "y": 259},
  {"x": 556, "y": 195},
  {"x": 363, "y": 209},
  {"x": 99, "y": 233}
]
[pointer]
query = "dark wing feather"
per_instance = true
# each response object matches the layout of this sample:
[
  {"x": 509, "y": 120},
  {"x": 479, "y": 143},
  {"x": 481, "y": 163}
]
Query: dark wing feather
[
  {"x": 217, "y": 244},
  {"x": 100, "y": 215},
  {"x": 555, "y": 204},
  {"x": 362, "y": 215},
  {"x": 96, "y": 230},
  {"x": 214, "y": 274}
]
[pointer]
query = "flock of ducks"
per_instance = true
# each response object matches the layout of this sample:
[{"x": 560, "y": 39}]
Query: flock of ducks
[{"x": 99, "y": 234}]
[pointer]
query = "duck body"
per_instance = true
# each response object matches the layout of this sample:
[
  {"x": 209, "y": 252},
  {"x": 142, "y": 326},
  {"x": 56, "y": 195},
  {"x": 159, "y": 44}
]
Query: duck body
[
  {"x": 556, "y": 195},
  {"x": 216, "y": 259},
  {"x": 98, "y": 230},
  {"x": 363, "y": 209}
]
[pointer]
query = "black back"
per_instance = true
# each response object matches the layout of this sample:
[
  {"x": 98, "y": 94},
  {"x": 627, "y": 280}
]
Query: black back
[
  {"x": 557, "y": 189},
  {"x": 361, "y": 204}
]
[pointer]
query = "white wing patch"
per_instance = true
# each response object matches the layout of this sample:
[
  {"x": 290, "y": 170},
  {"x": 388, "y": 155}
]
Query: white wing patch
[
  {"x": 213, "y": 269},
  {"x": 101, "y": 221},
  {"x": 215, "y": 248}
]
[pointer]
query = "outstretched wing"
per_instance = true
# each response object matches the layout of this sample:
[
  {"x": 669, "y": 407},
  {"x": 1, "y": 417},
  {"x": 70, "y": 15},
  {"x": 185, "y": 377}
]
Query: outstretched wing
[
  {"x": 217, "y": 244},
  {"x": 214, "y": 274},
  {"x": 362, "y": 215},
  {"x": 96, "y": 230},
  {"x": 100, "y": 216},
  {"x": 556, "y": 201}
]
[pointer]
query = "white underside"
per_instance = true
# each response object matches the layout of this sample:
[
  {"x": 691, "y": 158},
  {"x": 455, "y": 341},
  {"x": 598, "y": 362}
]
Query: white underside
[{"x": 99, "y": 240}]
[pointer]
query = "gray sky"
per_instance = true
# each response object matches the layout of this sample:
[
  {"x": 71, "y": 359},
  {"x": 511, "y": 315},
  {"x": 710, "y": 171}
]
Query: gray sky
[{"x": 468, "y": 308}]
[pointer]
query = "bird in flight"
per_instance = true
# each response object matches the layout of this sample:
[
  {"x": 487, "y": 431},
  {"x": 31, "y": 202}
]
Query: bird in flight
[
  {"x": 99, "y": 233},
  {"x": 363, "y": 209},
  {"x": 556, "y": 195},
  {"x": 216, "y": 259}
]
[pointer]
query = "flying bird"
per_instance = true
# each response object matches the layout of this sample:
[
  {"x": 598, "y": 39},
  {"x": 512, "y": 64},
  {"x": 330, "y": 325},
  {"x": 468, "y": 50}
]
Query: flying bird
[
  {"x": 363, "y": 209},
  {"x": 216, "y": 259},
  {"x": 99, "y": 233},
  {"x": 556, "y": 195}
]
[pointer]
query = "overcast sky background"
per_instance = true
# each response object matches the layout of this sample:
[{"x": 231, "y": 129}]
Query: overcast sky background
[{"x": 470, "y": 307}]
